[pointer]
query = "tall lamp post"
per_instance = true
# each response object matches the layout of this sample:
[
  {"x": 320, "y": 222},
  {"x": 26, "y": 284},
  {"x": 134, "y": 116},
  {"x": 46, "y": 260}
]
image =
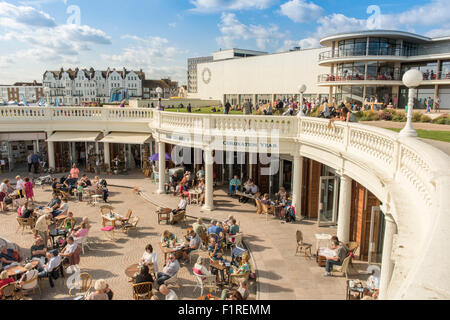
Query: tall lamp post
[
  {"x": 412, "y": 79},
  {"x": 301, "y": 89}
]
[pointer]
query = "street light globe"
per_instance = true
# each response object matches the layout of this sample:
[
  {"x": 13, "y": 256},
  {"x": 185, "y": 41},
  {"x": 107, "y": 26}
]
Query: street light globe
[
  {"x": 159, "y": 90},
  {"x": 302, "y": 88},
  {"x": 412, "y": 78}
]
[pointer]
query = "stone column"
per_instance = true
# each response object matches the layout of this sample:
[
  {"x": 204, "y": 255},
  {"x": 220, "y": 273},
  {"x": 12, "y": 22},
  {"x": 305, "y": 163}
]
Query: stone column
[
  {"x": 209, "y": 183},
  {"x": 107, "y": 155},
  {"x": 51, "y": 153},
  {"x": 297, "y": 185},
  {"x": 37, "y": 145},
  {"x": 387, "y": 264},
  {"x": 345, "y": 200},
  {"x": 162, "y": 167},
  {"x": 281, "y": 182}
]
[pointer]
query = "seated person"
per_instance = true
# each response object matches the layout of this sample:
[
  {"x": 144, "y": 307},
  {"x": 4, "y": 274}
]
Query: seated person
[
  {"x": 85, "y": 182},
  {"x": 270, "y": 205},
  {"x": 201, "y": 173},
  {"x": 372, "y": 288},
  {"x": 69, "y": 222},
  {"x": 168, "y": 293},
  {"x": 234, "y": 295},
  {"x": 81, "y": 232},
  {"x": 71, "y": 252},
  {"x": 144, "y": 275},
  {"x": 5, "y": 280},
  {"x": 242, "y": 290},
  {"x": 150, "y": 258},
  {"x": 54, "y": 203},
  {"x": 167, "y": 238},
  {"x": 25, "y": 211},
  {"x": 199, "y": 227},
  {"x": 181, "y": 205},
  {"x": 38, "y": 251},
  {"x": 235, "y": 184},
  {"x": 341, "y": 254},
  {"x": 234, "y": 228},
  {"x": 282, "y": 194},
  {"x": 70, "y": 184},
  {"x": 27, "y": 276},
  {"x": 8, "y": 257},
  {"x": 244, "y": 266},
  {"x": 200, "y": 268},
  {"x": 101, "y": 186},
  {"x": 215, "y": 228},
  {"x": 62, "y": 210},
  {"x": 170, "y": 269},
  {"x": 194, "y": 244},
  {"x": 56, "y": 185},
  {"x": 100, "y": 293},
  {"x": 47, "y": 270},
  {"x": 173, "y": 182},
  {"x": 214, "y": 250}
]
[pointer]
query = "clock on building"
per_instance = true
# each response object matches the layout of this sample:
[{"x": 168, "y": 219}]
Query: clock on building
[{"x": 206, "y": 75}]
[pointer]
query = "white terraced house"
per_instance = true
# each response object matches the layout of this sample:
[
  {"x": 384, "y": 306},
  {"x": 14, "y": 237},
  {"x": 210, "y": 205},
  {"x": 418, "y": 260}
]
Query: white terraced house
[
  {"x": 73, "y": 87},
  {"x": 384, "y": 192}
]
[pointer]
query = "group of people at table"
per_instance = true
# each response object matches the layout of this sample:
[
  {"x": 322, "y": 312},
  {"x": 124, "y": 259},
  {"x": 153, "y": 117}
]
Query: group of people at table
[
  {"x": 23, "y": 189},
  {"x": 188, "y": 185},
  {"x": 213, "y": 235},
  {"x": 280, "y": 206}
]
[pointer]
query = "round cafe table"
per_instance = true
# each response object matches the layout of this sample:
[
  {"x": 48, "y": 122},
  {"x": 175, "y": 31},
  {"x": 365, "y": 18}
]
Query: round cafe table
[
  {"x": 19, "y": 270},
  {"x": 132, "y": 270}
]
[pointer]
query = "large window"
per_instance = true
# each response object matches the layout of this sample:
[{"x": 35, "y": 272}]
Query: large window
[
  {"x": 351, "y": 94},
  {"x": 383, "y": 47},
  {"x": 423, "y": 93},
  {"x": 352, "y": 47},
  {"x": 410, "y": 49},
  {"x": 351, "y": 71},
  {"x": 445, "y": 70},
  {"x": 428, "y": 69},
  {"x": 381, "y": 71}
]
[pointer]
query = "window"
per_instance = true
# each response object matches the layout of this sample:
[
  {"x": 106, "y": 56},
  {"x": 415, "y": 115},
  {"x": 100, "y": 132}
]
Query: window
[
  {"x": 383, "y": 47},
  {"x": 352, "y": 47}
]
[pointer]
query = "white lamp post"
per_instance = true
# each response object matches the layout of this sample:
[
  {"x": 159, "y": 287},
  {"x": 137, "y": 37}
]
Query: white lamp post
[
  {"x": 302, "y": 89},
  {"x": 159, "y": 91},
  {"x": 412, "y": 79}
]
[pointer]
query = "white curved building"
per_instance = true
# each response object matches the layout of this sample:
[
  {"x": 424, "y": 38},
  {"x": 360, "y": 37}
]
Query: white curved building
[{"x": 350, "y": 66}]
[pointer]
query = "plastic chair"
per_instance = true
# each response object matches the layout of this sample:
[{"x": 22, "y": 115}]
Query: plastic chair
[
  {"x": 85, "y": 285},
  {"x": 205, "y": 282}
]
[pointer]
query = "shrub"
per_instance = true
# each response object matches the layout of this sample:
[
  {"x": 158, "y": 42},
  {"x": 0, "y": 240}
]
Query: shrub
[
  {"x": 386, "y": 116},
  {"x": 399, "y": 118},
  {"x": 444, "y": 119},
  {"x": 425, "y": 119},
  {"x": 417, "y": 116},
  {"x": 364, "y": 118}
]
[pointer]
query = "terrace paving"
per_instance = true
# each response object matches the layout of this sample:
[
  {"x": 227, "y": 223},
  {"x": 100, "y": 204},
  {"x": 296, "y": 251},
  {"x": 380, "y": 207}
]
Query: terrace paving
[{"x": 280, "y": 274}]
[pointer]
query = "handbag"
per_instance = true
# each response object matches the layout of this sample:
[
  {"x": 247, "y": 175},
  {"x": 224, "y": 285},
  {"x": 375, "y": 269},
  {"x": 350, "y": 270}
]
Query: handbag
[{"x": 8, "y": 200}]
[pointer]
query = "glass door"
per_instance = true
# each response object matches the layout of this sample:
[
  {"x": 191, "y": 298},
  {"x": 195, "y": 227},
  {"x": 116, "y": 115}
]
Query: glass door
[
  {"x": 328, "y": 201},
  {"x": 376, "y": 236}
]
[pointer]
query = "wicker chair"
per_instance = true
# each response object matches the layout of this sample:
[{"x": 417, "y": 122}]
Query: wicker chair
[
  {"x": 259, "y": 208},
  {"x": 30, "y": 286},
  {"x": 343, "y": 269},
  {"x": 238, "y": 278},
  {"x": 9, "y": 292},
  {"x": 25, "y": 223},
  {"x": 85, "y": 286},
  {"x": 142, "y": 291},
  {"x": 302, "y": 246}
]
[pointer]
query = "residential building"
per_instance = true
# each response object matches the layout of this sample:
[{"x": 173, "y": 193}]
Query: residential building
[
  {"x": 192, "y": 72},
  {"x": 31, "y": 91},
  {"x": 73, "y": 87}
]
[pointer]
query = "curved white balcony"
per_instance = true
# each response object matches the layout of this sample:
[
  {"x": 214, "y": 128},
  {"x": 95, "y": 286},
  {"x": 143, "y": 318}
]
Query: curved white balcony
[{"x": 409, "y": 177}]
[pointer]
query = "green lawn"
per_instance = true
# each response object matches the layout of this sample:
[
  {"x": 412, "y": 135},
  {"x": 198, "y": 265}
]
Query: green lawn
[
  {"x": 430, "y": 134},
  {"x": 203, "y": 110}
]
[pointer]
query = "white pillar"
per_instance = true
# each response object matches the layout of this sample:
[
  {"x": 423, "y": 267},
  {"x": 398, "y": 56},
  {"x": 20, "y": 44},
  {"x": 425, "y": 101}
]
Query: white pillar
[
  {"x": 297, "y": 185},
  {"x": 51, "y": 154},
  {"x": 345, "y": 199},
  {"x": 37, "y": 145},
  {"x": 162, "y": 168},
  {"x": 209, "y": 190},
  {"x": 281, "y": 173},
  {"x": 107, "y": 156},
  {"x": 387, "y": 264}
]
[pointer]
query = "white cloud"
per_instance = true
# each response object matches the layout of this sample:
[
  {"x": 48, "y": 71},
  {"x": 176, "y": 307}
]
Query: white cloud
[
  {"x": 46, "y": 41},
  {"x": 233, "y": 30},
  {"x": 436, "y": 33},
  {"x": 155, "y": 55},
  {"x": 301, "y": 11},
  {"x": 206, "y": 6}
]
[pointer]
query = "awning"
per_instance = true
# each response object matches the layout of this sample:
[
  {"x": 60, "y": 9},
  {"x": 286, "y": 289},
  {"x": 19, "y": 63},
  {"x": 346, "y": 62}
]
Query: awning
[
  {"x": 74, "y": 137},
  {"x": 126, "y": 138},
  {"x": 24, "y": 136}
]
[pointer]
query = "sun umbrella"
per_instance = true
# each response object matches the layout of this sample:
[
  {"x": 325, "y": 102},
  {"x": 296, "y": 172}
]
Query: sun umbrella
[{"x": 155, "y": 157}]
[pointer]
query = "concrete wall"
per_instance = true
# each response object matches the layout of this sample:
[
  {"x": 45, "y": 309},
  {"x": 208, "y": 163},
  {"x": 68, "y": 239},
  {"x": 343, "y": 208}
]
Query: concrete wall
[{"x": 280, "y": 73}]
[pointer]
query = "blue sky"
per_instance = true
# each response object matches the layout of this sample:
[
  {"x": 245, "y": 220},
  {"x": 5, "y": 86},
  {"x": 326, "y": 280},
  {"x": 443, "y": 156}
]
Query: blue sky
[{"x": 159, "y": 35}]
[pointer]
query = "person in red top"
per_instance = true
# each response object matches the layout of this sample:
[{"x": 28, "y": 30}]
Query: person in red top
[
  {"x": 29, "y": 193},
  {"x": 74, "y": 172},
  {"x": 4, "y": 280}
]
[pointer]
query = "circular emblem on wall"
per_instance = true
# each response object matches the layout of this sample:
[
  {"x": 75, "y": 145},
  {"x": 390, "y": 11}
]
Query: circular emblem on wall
[{"x": 206, "y": 75}]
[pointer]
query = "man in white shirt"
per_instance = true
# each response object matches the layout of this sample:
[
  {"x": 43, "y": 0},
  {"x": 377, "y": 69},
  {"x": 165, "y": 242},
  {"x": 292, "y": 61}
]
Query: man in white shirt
[
  {"x": 169, "y": 294},
  {"x": 181, "y": 208},
  {"x": 54, "y": 260}
]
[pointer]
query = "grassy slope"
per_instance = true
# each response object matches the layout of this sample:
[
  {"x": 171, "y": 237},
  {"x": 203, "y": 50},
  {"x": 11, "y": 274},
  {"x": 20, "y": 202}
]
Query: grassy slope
[{"x": 429, "y": 134}]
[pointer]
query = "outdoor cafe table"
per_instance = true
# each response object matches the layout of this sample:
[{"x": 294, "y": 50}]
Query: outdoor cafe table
[
  {"x": 112, "y": 218},
  {"x": 168, "y": 250},
  {"x": 320, "y": 238},
  {"x": 132, "y": 270},
  {"x": 163, "y": 215},
  {"x": 218, "y": 266},
  {"x": 19, "y": 270},
  {"x": 57, "y": 233}
]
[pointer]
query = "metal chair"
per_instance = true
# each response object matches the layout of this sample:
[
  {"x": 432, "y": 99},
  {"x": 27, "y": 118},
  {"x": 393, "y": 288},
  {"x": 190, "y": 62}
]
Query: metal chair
[
  {"x": 173, "y": 281},
  {"x": 85, "y": 285},
  {"x": 302, "y": 246},
  {"x": 209, "y": 282}
]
